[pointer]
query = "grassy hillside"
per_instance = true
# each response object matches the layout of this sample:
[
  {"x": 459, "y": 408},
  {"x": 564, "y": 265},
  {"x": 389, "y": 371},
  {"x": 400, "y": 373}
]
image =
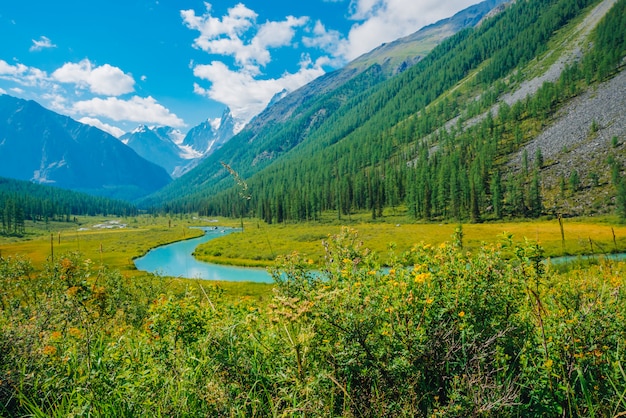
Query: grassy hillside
[{"x": 415, "y": 139}]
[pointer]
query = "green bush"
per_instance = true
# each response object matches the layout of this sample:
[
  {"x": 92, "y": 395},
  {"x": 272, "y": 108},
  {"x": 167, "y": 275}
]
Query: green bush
[{"x": 442, "y": 332}]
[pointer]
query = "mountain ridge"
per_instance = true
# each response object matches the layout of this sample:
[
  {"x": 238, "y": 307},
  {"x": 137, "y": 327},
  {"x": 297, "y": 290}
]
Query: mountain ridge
[
  {"x": 378, "y": 131},
  {"x": 39, "y": 145},
  {"x": 296, "y": 114}
]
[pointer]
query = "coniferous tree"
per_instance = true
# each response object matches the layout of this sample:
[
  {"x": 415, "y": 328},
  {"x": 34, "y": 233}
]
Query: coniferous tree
[
  {"x": 536, "y": 205},
  {"x": 496, "y": 194}
]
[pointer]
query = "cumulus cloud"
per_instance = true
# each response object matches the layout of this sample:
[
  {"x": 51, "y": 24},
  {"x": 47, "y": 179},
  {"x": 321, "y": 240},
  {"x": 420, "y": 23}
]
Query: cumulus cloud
[
  {"x": 245, "y": 95},
  {"x": 382, "y": 21},
  {"x": 230, "y": 35},
  {"x": 7, "y": 69},
  {"x": 42, "y": 43},
  {"x": 137, "y": 109},
  {"x": 327, "y": 40},
  {"x": 237, "y": 34},
  {"x": 21, "y": 74},
  {"x": 98, "y": 80},
  {"x": 113, "y": 130},
  {"x": 2, "y": 91},
  {"x": 105, "y": 79}
]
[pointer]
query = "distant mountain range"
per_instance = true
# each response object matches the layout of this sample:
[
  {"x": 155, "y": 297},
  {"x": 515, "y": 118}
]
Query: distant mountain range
[
  {"x": 178, "y": 153},
  {"x": 505, "y": 110},
  {"x": 44, "y": 147}
]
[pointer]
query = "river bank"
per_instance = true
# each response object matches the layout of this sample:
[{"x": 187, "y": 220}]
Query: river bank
[{"x": 260, "y": 245}]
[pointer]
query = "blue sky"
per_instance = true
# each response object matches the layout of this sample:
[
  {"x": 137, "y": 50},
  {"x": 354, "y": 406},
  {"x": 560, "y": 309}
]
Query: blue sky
[{"x": 118, "y": 64}]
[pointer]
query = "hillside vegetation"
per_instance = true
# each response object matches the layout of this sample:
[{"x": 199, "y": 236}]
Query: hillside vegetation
[
  {"x": 494, "y": 332},
  {"x": 374, "y": 144},
  {"x": 22, "y": 201}
]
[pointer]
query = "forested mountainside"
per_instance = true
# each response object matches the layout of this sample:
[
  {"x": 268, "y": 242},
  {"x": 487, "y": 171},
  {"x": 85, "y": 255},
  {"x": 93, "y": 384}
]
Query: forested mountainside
[
  {"x": 290, "y": 118},
  {"x": 440, "y": 138},
  {"x": 23, "y": 200}
]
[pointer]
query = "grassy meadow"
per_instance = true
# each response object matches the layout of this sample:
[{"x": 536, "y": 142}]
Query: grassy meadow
[
  {"x": 101, "y": 239},
  {"x": 260, "y": 244},
  {"x": 443, "y": 332},
  {"x": 116, "y": 248}
]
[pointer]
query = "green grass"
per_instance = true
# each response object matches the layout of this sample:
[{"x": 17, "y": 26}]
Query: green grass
[
  {"x": 115, "y": 248},
  {"x": 456, "y": 334},
  {"x": 260, "y": 244}
]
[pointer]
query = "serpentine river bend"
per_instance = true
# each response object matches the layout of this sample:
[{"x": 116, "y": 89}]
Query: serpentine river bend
[{"x": 176, "y": 260}]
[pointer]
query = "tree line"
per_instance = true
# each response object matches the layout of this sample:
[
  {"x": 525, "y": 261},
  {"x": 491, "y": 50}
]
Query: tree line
[{"x": 23, "y": 200}]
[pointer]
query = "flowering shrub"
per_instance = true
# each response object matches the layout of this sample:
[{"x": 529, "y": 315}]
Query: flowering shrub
[{"x": 441, "y": 332}]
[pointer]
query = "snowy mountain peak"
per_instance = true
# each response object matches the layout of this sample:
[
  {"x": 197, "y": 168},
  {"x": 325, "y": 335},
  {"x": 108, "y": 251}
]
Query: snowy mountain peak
[{"x": 175, "y": 151}]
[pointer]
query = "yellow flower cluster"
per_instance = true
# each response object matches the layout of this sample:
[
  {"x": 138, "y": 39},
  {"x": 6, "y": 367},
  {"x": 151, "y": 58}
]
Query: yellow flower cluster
[
  {"x": 422, "y": 277},
  {"x": 49, "y": 350},
  {"x": 75, "y": 332}
]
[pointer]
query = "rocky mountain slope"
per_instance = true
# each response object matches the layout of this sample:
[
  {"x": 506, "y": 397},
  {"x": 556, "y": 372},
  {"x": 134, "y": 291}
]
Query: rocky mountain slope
[
  {"x": 160, "y": 146},
  {"x": 178, "y": 153}
]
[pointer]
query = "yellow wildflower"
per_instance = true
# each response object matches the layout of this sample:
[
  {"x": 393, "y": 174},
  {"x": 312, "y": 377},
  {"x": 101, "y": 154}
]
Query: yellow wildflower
[
  {"x": 49, "y": 350},
  {"x": 56, "y": 335},
  {"x": 461, "y": 314},
  {"x": 422, "y": 277},
  {"x": 75, "y": 332},
  {"x": 429, "y": 301}
]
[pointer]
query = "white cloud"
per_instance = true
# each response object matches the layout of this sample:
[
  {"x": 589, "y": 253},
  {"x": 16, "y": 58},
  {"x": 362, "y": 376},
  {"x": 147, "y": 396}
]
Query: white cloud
[
  {"x": 230, "y": 35},
  {"x": 386, "y": 20},
  {"x": 2, "y": 91},
  {"x": 113, "y": 130},
  {"x": 7, "y": 69},
  {"x": 324, "y": 39},
  {"x": 105, "y": 79},
  {"x": 237, "y": 34},
  {"x": 43, "y": 43},
  {"x": 137, "y": 109},
  {"x": 245, "y": 95}
]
